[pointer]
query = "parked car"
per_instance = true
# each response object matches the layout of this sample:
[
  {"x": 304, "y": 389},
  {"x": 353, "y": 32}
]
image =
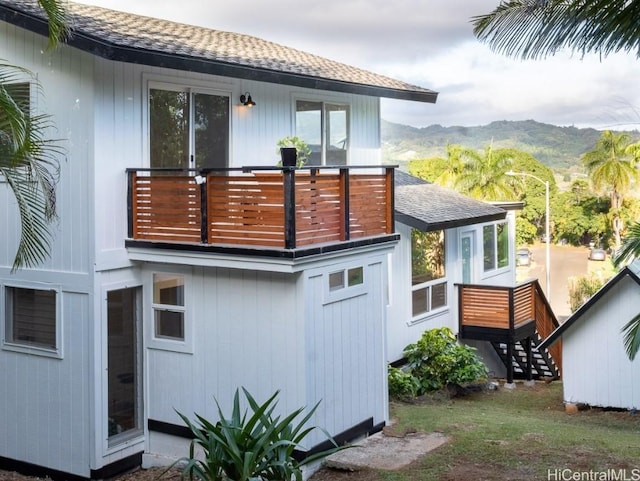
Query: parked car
[
  {"x": 597, "y": 255},
  {"x": 523, "y": 257}
]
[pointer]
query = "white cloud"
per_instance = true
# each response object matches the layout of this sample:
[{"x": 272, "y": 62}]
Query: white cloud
[{"x": 429, "y": 44}]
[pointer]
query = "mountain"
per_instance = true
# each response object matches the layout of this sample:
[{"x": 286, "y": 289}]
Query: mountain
[{"x": 557, "y": 147}]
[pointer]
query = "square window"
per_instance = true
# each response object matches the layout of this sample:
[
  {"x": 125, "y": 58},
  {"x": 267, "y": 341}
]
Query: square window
[
  {"x": 169, "y": 324},
  {"x": 355, "y": 276},
  {"x": 31, "y": 317},
  {"x": 336, "y": 281}
]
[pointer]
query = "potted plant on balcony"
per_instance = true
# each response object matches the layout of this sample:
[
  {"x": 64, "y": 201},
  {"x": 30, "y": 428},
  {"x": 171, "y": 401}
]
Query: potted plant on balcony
[{"x": 293, "y": 151}]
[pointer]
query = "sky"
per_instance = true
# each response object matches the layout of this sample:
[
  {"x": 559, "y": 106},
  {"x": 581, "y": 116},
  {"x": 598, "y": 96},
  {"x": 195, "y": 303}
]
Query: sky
[{"x": 430, "y": 44}]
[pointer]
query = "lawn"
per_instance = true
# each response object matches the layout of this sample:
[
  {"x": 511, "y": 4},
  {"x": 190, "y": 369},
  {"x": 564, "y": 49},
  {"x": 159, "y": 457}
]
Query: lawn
[{"x": 524, "y": 434}]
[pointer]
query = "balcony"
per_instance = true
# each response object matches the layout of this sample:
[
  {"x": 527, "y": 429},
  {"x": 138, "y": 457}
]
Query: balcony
[
  {"x": 277, "y": 211},
  {"x": 514, "y": 320}
]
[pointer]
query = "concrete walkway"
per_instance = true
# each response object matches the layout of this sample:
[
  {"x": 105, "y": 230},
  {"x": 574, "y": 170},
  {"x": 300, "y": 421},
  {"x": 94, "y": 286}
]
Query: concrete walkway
[{"x": 381, "y": 451}]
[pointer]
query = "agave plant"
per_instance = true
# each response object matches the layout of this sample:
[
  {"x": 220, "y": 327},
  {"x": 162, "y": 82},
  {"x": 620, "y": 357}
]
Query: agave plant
[{"x": 243, "y": 447}]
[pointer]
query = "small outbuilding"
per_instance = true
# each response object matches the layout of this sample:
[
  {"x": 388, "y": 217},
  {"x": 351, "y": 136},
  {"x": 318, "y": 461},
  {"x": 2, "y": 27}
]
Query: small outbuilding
[{"x": 596, "y": 369}]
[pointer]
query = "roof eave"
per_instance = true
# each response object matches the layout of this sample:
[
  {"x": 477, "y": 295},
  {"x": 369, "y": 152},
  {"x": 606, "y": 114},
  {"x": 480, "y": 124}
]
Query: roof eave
[
  {"x": 560, "y": 330},
  {"x": 449, "y": 224},
  {"x": 111, "y": 51}
]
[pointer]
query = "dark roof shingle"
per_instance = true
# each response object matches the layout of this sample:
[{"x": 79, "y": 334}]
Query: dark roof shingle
[
  {"x": 133, "y": 38},
  {"x": 429, "y": 207}
]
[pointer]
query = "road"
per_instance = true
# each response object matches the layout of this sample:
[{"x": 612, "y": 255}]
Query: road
[{"x": 566, "y": 262}]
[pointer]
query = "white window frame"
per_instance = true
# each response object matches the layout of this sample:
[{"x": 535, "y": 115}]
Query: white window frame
[
  {"x": 346, "y": 291},
  {"x": 184, "y": 345},
  {"x": 496, "y": 267},
  {"x": 17, "y": 346},
  {"x": 191, "y": 86},
  {"x": 323, "y": 123},
  {"x": 429, "y": 285}
]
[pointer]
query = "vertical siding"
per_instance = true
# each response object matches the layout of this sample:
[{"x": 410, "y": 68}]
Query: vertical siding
[
  {"x": 66, "y": 77},
  {"x": 345, "y": 358},
  {"x": 596, "y": 370},
  {"x": 44, "y": 402},
  {"x": 248, "y": 332}
]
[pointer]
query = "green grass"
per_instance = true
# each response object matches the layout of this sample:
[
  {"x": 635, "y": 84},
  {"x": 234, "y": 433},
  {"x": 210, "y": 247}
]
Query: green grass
[{"x": 517, "y": 435}]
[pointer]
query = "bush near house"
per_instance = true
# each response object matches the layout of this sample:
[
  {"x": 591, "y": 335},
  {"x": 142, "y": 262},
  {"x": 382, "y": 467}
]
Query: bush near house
[{"x": 436, "y": 361}]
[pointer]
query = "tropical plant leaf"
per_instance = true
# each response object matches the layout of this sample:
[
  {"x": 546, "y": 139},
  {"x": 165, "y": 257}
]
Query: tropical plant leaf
[{"x": 631, "y": 332}]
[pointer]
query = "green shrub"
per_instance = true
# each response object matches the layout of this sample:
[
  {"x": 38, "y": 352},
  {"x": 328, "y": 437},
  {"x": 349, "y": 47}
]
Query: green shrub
[
  {"x": 437, "y": 360},
  {"x": 249, "y": 448},
  {"x": 402, "y": 384}
]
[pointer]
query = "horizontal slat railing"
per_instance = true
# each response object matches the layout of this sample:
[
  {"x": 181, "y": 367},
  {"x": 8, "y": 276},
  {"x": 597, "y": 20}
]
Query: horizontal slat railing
[
  {"x": 279, "y": 208},
  {"x": 484, "y": 306}
]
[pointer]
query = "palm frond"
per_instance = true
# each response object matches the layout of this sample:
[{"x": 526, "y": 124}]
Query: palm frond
[
  {"x": 631, "y": 332},
  {"x": 630, "y": 248},
  {"x": 533, "y": 29},
  {"x": 58, "y": 16}
]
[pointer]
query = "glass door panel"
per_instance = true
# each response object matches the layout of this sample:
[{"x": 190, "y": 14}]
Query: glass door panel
[
  {"x": 211, "y": 130},
  {"x": 169, "y": 128},
  {"x": 124, "y": 365}
]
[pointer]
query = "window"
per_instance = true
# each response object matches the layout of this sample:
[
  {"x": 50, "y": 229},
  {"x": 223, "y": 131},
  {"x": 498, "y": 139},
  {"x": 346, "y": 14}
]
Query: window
[
  {"x": 31, "y": 318},
  {"x": 345, "y": 283},
  {"x": 188, "y": 129},
  {"x": 354, "y": 277},
  {"x": 325, "y": 128},
  {"x": 428, "y": 276},
  {"x": 495, "y": 241},
  {"x": 168, "y": 307}
]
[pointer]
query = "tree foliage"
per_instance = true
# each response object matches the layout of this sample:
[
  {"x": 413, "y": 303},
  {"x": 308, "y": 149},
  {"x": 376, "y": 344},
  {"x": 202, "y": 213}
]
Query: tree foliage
[
  {"x": 532, "y": 29},
  {"x": 612, "y": 168}
]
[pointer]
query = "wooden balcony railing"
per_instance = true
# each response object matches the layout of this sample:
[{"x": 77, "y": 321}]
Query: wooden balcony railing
[
  {"x": 280, "y": 208},
  {"x": 491, "y": 309}
]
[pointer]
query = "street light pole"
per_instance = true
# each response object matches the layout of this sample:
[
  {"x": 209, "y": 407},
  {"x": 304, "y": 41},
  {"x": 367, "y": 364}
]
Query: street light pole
[{"x": 546, "y": 226}]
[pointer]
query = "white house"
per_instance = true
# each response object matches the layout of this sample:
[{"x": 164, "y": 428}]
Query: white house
[
  {"x": 167, "y": 288},
  {"x": 596, "y": 369}
]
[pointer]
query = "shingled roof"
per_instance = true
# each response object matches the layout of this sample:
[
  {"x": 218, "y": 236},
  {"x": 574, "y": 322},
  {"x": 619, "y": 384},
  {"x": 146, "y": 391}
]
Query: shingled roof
[
  {"x": 429, "y": 207},
  {"x": 133, "y": 38}
]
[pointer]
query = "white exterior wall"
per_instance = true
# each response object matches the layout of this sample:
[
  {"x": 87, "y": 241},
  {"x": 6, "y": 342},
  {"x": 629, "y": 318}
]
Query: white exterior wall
[
  {"x": 595, "y": 368},
  {"x": 46, "y": 401},
  {"x": 99, "y": 109},
  {"x": 267, "y": 332},
  {"x": 122, "y": 134}
]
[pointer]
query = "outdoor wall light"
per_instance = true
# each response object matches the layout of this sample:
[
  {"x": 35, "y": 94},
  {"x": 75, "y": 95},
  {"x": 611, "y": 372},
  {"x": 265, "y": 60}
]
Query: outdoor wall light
[{"x": 246, "y": 100}]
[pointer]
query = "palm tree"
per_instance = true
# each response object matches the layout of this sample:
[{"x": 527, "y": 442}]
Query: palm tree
[
  {"x": 532, "y": 29},
  {"x": 484, "y": 175},
  {"x": 28, "y": 160},
  {"x": 612, "y": 167},
  {"x": 456, "y": 155}
]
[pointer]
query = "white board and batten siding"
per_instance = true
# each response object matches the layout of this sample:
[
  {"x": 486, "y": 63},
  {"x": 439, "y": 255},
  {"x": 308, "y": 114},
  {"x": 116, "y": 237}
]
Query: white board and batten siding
[
  {"x": 595, "y": 368},
  {"x": 45, "y": 400},
  {"x": 121, "y": 139},
  {"x": 268, "y": 331}
]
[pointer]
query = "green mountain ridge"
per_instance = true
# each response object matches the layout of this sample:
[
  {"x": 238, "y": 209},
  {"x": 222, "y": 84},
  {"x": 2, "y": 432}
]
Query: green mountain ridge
[{"x": 557, "y": 147}]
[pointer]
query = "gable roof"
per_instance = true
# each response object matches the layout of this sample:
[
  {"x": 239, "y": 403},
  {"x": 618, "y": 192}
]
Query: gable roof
[
  {"x": 632, "y": 271},
  {"x": 126, "y": 37},
  {"x": 428, "y": 207}
]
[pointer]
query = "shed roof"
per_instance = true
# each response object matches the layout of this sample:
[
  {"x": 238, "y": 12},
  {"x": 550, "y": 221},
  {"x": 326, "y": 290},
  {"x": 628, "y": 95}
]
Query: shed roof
[
  {"x": 428, "y": 207},
  {"x": 632, "y": 271},
  {"x": 133, "y": 38}
]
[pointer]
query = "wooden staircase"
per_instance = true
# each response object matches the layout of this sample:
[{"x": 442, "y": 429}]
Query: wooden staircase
[
  {"x": 543, "y": 365},
  {"x": 514, "y": 320}
]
